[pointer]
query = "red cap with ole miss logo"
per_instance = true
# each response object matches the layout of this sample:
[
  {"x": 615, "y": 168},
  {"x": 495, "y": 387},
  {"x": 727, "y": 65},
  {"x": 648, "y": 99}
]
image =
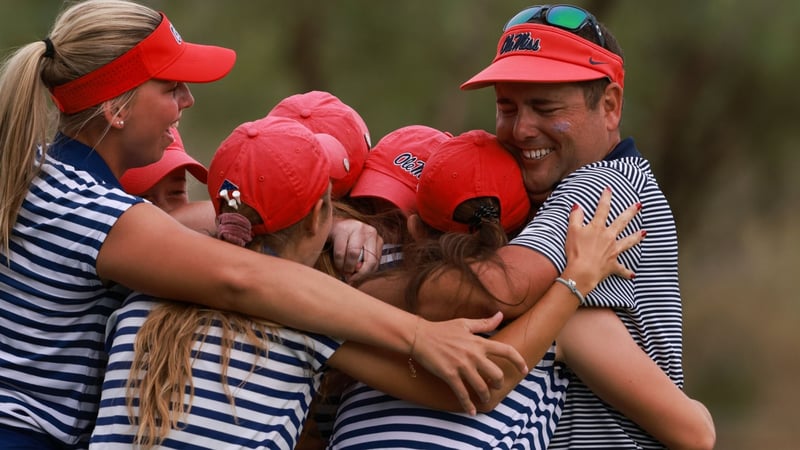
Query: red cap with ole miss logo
[
  {"x": 394, "y": 166},
  {"x": 536, "y": 53}
]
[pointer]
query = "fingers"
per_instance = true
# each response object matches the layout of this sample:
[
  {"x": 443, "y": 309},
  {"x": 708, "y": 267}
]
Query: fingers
[
  {"x": 625, "y": 218},
  {"x": 492, "y": 375},
  {"x": 603, "y": 208},
  {"x": 602, "y": 212},
  {"x": 356, "y": 247},
  {"x": 475, "y": 381},
  {"x": 465, "y": 361},
  {"x": 576, "y": 217},
  {"x": 485, "y": 325},
  {"x": 592, "y": 251},
  {"x": 462, "y": 394},
  {"x": 507, "y": 352},
  {"x": 486, "y": 374},
  {"x": 624, "y": 244},
  {"x": 496, "y": 348},
  {"x": 369, "y": 258},
  {"x": 623, "y": 272},
  {"x": 631, "y": 240},
  {"x": 346, "y": 252}
]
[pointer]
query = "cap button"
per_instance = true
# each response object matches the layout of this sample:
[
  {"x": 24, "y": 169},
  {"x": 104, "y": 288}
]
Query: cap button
[
  {"x": 479, "y": 141},
  {"x": 252, "y": 132},
  {"x": 305, "y": 113}
]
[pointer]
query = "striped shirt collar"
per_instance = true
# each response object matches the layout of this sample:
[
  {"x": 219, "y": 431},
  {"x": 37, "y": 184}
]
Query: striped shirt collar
[
  {"x": 625, "y": 149},
  {"x": 82, "y": 157}
]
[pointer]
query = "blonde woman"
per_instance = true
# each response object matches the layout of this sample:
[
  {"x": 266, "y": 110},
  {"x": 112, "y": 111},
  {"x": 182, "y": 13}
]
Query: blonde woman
[{"x": 72, "y": 242}]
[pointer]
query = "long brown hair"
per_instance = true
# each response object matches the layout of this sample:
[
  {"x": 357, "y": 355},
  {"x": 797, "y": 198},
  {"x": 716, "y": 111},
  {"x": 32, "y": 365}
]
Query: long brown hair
[{"x": 427, "y": 258}]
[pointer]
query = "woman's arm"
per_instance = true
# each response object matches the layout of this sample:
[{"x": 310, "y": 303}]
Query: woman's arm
[
  {"x": 596, "y": 345},
  {"x": 150, "y": 252},
  {"x": 356, "y": 245},
  {"x": 531, "y": 334},
  {"x": 592, "y": 252},
  {"x": 199, "y": 216},
  {"x": 516, "y": 284}
]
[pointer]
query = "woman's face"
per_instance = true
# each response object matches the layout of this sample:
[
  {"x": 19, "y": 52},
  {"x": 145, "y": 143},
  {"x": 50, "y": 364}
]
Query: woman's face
[
  {"x": 169, "y": 192},
  {"x": 148, "y": 118}
]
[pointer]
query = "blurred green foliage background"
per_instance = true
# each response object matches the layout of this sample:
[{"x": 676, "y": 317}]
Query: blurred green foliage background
[{"x": 711, "y": 98}]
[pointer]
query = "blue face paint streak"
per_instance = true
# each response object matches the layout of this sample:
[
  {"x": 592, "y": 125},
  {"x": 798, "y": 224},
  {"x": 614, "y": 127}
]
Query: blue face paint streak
[{"x": 561, "y": 127}]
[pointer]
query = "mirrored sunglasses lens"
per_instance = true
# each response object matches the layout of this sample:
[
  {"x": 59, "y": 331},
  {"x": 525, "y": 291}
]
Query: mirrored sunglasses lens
[
  {"x": 523, "y": 16},
  {"x": 567, "y": 17}
]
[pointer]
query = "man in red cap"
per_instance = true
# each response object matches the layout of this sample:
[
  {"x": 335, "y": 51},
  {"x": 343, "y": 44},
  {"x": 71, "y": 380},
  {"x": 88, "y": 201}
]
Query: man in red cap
[{"x": 558, "y": 75}]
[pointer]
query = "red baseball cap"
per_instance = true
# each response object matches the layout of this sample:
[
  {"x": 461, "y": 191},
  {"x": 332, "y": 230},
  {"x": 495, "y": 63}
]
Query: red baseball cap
[
  {"x": 323, "y": 112},
  {"x": 139, "y": 180},
  {"x": 277, "y": 165},
  {"x": 394, "y": 165},
  {"x": 337, "y": 156},
  {"x": 470, "y": 165},
  {"x": 162, "y": 55},
  {"x": 536, "y": 53}
]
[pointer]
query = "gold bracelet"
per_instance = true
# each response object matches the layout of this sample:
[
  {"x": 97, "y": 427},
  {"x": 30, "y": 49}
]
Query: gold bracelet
[{"x": 411, "y": 367}]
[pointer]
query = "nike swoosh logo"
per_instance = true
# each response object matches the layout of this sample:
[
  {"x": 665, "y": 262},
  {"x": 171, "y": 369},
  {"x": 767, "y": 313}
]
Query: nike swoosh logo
[{"x": 595, "y": 63}]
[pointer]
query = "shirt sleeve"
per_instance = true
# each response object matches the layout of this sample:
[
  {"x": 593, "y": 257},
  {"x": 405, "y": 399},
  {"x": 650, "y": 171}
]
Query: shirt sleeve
[{"x": 547, "y": 232}]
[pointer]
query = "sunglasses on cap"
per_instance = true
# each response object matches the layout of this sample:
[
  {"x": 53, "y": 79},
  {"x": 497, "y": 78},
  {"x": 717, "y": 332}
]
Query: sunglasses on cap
[{"x": 568, "y": 17}]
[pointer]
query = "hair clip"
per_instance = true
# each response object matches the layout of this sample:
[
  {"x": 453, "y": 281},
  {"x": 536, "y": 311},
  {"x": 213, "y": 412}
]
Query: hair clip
[
  {"x": 233, "y": 198},
  {"x": 484, "y": 213}
]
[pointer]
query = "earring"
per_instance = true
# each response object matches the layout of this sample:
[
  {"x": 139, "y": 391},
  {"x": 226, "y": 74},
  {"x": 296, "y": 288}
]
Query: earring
[{"x": 120, "y": 123}]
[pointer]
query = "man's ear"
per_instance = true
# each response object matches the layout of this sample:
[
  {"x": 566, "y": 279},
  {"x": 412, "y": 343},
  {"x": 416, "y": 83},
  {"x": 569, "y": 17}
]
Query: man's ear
[
  {"x": 612, "y": 105},
  {"x": 416, "y": 228}
]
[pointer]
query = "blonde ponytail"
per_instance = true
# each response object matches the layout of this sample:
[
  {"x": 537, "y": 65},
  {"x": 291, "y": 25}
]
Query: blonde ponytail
[{"x": 83, "y": 39}]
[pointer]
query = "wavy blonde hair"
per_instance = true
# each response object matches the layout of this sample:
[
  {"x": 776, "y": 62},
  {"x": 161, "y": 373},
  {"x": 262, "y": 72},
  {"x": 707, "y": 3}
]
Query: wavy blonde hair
[{"x": 160, "y": 374}]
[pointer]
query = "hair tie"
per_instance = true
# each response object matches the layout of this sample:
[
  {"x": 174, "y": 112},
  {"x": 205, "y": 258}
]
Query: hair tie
[
  {"x": 484, "y": 213},
  {"x": 49, "y": 48},
  {"x": 234, "y": 228}
]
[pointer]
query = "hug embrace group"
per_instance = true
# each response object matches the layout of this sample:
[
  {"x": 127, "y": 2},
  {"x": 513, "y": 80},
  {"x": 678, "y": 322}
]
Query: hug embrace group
[{"x": 507, "y": 290}]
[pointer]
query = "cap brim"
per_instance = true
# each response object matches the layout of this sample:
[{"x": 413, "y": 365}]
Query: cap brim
[
  {"x": 199, "y": 64},
  {"x": 372, "y": 183},
  {"x": 530, "y": 69},
  {"x": 336, "y": 155},
  {"x": 139, "y": 180}
]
